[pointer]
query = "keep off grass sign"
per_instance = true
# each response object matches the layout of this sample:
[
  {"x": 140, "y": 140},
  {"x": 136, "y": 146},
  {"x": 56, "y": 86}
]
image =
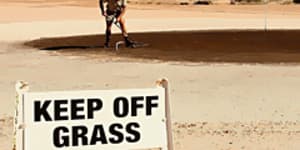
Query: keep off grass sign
[{"x": 93, "y": 120}]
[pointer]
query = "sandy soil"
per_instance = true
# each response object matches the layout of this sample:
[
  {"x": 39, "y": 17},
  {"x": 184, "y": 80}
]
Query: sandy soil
[
  {"x": 204, "y": 135},
  {"x": 214, "y": 105}
]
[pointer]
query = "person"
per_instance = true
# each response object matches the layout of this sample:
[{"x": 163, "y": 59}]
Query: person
[{"x": 115, "y": 10}]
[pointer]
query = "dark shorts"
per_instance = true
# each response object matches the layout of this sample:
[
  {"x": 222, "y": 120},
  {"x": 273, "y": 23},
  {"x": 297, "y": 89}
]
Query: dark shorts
[{"x": 112, "y": 15}]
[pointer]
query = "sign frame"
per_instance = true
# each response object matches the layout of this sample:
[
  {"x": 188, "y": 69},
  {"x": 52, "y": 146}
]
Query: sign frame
[{"x": 20, "y": 128}]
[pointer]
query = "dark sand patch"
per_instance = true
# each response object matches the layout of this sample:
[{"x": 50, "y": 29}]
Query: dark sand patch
[{"x": 254, "y": 46}]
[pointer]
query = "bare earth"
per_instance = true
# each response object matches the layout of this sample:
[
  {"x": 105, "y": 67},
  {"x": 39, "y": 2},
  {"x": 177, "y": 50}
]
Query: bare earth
[
  {"x": 229, "y": 89},
  {"x": 256, "y": 46}
]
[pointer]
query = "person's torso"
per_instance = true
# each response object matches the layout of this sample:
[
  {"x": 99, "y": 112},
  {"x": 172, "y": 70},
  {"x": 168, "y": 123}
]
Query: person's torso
[{"x": 113, "y": 5}]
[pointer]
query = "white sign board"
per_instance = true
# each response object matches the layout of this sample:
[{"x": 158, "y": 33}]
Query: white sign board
[{"x": 93, "y": 120}]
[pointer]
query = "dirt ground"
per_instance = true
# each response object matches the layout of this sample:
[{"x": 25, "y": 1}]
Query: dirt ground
[
  {"x": 233, "y": 85},
  {"x": 273, "y": 46},
  {"x": 204, "y": 135}
]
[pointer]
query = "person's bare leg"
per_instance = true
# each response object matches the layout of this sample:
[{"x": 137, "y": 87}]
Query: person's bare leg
[
  {"x": 123, "y": 27},
  {"x": 124, "y": 33}
]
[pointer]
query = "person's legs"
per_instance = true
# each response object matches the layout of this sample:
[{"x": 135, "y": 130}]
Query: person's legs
[
  {"x": 123, "y": 27},
  {"x": 108, "y": 33},
  {"x": 124, "y": 33}
]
